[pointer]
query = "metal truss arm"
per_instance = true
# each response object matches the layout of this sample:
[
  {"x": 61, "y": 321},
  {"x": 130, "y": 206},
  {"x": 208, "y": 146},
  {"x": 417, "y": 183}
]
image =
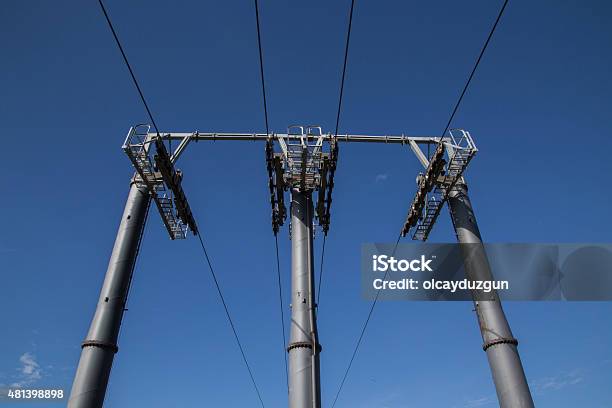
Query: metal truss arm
[
  {"x": 172, "y": 178},
  {"x": 161, "y": 179},
  {"x": 180, "y": 149},
  {"x": 435, "y": 185}
]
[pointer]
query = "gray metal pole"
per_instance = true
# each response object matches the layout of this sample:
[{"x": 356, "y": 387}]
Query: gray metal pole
[
  {"x": 499, "y": 343},
  {"x": 100, "y": 346},
  {"x": 304, "y": 347}
]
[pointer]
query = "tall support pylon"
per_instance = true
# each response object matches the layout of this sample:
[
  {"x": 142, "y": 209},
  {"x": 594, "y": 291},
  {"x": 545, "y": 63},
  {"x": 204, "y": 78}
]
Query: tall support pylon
[
  {"x": 156, "y": 180},
  {"x": 305, "y": 168},
  {"x": 100, "y": 346},
  {"x": 499, "y": 343},
  {"x": 304, "y": 347}
]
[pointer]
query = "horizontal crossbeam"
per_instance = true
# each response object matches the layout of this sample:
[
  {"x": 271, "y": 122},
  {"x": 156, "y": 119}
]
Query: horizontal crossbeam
[{"x": 262, "y": 137}]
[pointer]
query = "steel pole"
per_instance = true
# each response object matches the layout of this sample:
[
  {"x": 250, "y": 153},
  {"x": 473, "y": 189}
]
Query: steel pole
[
  {"x": 304, "y": 347},
  {"x": 100, "y": 346},
  {"x": 499, "y": 343}
]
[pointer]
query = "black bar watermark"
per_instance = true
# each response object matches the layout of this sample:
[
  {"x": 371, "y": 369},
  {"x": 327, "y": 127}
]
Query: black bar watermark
[{"x": 516, "y": 271}]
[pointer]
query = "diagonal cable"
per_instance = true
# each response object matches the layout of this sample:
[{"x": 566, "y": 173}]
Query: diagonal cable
[
  {"x": 214, "y": 276},
  {"x": 265, "y": 106},
  {"x": 467, "y": 83},
  {"x": 321, "y": 269},
  {"x": 261, "y": 68},
  {"x": 482, "y": 51},
  {"x": 129, "y": 67},
  {"x": 363, "y": 330},
  {"x": 229, "y": 318},
  {"x": 346, "y": 50}
]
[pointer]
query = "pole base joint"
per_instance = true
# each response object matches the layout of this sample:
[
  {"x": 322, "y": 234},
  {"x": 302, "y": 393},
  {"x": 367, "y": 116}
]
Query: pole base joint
[
  {"x": 303, "y": 344},
  {"x": 500, "y": 340},
  {"x": 100, "y": 344}
]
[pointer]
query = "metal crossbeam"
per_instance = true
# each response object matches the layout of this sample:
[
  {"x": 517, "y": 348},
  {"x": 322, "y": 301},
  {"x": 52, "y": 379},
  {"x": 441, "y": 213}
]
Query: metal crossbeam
[{"x": 262, "y": 137}]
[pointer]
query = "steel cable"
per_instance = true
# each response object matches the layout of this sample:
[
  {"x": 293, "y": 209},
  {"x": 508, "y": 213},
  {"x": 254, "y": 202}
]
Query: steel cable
[
  {"x": 214, "y": 276},
  {"x": 321, "y": 269},
  {"x": 265, "y": 106},
  {"x": 482, "y": 51},
  {"x": 229, "y": 318},
  {"x": 129, "y": 67}
]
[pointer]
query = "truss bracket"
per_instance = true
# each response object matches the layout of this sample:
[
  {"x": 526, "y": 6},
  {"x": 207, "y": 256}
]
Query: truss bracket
[
  {"x": 439, "y": 178},
  {"x": 419, "y": 153},
  {"x": 161, "y": 180},
  {"x": 181, "y": 147}
]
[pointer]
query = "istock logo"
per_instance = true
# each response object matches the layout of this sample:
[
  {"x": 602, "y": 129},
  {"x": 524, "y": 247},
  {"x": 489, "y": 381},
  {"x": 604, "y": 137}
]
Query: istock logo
[{"x": 382, "y": 263}]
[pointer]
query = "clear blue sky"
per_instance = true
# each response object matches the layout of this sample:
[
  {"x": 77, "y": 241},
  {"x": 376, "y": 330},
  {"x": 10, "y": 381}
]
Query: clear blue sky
[{"x": 538, "y": 108}]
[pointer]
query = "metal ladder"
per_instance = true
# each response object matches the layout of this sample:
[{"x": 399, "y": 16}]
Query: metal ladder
[{"x": 432, "y": 209}]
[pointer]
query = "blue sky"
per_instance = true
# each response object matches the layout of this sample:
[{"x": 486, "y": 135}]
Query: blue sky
[{"x": 538, "y": 109}]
